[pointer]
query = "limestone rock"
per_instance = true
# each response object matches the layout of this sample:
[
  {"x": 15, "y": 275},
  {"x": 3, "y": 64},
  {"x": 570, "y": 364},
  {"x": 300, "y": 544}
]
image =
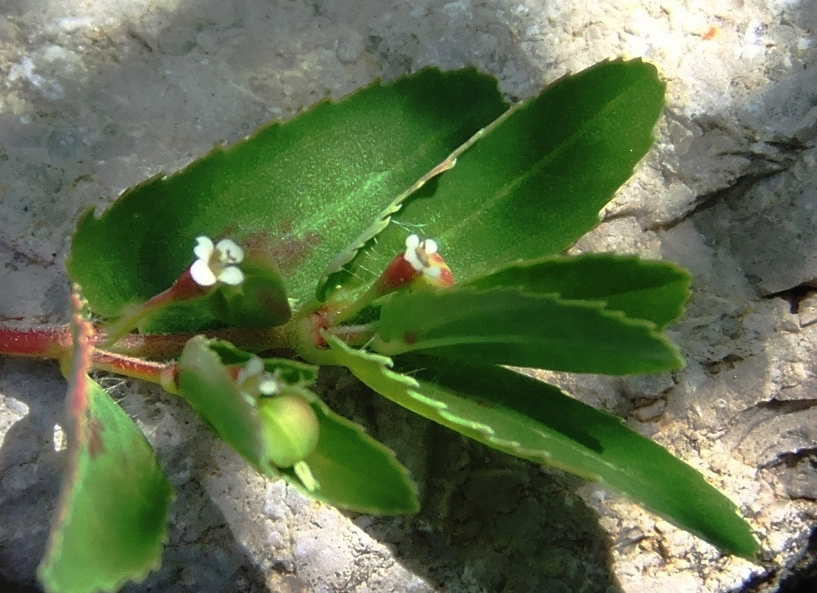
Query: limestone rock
[{"x": 99, "y": 96}]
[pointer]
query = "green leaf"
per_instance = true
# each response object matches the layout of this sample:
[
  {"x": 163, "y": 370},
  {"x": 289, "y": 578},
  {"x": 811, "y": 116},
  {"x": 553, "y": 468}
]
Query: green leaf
[
  {"x": 507, "y": 326},
  {"x": 356, "y": 472},
  {"x": 298, "y": 192},
  {"x": 535, "y": 183},
  {"x": 206, "y": 383},
  {"x": 111, "y": 519},
  {"x": 260, "y": 301},
  {"x": 353, "y": 471},
  {"x": 536, "y": 421},
  {"x": 338, "y": 272},
  {"x": 649, "y": 290}
]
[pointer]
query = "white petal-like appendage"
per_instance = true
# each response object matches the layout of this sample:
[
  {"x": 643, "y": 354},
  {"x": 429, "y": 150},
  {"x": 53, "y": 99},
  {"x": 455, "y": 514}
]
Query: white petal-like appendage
[
  {"x": 202, "y": 274},
  {"x": 254, "y": 367},
  {"x": 231, "y": 275},
  {"x": 203, "y": 248},
  {"x": 414, "y": 260},
  {"x": 270, "y": 386},
  {"x": 230, "y": 251},
  {"x": 433, "y": 272}
]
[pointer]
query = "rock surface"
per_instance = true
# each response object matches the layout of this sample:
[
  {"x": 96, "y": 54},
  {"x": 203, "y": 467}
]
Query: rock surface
[{"x": 98, "y": 96}]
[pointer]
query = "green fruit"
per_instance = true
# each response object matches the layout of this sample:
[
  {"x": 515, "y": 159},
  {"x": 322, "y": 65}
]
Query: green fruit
[{"x": 290, "y": 428}]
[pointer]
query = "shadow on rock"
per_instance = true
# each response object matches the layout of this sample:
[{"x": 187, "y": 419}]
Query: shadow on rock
[{"x": 487, "y": 520}]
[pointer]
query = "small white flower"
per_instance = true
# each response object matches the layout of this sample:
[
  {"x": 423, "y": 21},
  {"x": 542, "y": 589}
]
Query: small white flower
[
  {"x": 217, "y": 263},
  {"x": 254, "y": 380},
  {"x": 418, "y": 254}
]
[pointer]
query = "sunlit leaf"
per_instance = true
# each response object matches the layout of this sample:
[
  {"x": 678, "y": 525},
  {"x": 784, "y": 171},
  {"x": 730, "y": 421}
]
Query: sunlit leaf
[
  {"x": 536, "y": 421},
  {"x": 535, "y": 183},
  {"x": 298, "y": 192},
  {"x": 110, "y": 523},
  {"x": 508, "y": 326},
  {"x": 650, "y": 290}
]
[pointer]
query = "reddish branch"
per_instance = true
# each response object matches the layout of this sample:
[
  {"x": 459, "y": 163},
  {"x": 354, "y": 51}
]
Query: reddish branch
[{"x": 126, "y": 356}]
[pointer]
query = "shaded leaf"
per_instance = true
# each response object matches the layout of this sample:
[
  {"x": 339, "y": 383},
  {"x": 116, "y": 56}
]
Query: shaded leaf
[
  {"x": 111, "y": 519},
  {"x": 507, "y": 326},
  {"x": 260, "y": 301},
  {"x": 650, "y": 290},
  {"x": 536, "y": 421},
  {"x": 534, "y": 184},
  {"x": 297, "y": 192}
]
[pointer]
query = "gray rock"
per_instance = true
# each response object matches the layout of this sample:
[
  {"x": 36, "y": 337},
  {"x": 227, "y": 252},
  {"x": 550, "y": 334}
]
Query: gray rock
[
  {"x": 98, "y": 97},
  {"x": 771, "y": 227}
]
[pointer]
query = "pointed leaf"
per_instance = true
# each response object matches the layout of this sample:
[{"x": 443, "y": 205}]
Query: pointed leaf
[
  {"x": 298, "y": 192},
  {"x": 650, "y": 290},
  {"x": 536, "y": 421},
  {"x": 111, "y": 519},
  {"x": 507, "y": 326},
  {"x": 534, "y": 184}
]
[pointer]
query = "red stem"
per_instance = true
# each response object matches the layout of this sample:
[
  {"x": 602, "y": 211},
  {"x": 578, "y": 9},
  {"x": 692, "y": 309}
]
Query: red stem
[
  {"x": 164, "y": 346},
  {"x": 56, "y": 341},
  {"x": 41, "y": 342},
  {"x": 164, "y": 374}
]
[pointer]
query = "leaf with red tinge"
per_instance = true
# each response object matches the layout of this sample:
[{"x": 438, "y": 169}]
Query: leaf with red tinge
[{"x": 111, "y": 520}]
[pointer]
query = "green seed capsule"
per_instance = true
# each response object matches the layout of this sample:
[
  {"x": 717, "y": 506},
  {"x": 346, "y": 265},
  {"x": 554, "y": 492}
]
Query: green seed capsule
[{"x": 290, "y": 428}]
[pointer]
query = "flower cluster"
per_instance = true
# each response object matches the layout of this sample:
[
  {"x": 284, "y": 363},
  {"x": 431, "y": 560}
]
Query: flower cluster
[
  {"x": 420, "y": 261},
  {"x": 418, "y": 254},
  {"x": 217, "y": 263},
  {"x": 254, "y": 380}
]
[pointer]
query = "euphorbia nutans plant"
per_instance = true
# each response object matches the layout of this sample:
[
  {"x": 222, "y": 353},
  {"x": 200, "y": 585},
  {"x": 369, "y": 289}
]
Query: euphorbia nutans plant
[{"x": 413, "y": 233}]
